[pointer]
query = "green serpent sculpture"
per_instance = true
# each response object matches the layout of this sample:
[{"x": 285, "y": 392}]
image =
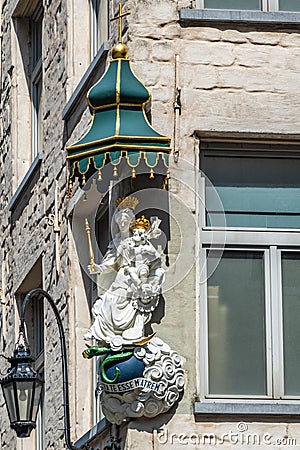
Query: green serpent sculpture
[{"x": 117, "y": 357}]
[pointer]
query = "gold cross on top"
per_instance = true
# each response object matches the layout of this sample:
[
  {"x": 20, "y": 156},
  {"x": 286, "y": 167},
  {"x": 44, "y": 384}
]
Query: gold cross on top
[{"x": 120, "y": 19}]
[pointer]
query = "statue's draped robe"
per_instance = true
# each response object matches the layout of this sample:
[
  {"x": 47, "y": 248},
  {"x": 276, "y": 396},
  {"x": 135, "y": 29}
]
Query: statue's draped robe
[{"x": 114, "y": 311}]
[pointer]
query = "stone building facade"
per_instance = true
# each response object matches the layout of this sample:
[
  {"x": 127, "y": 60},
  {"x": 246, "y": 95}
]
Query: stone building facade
[{"x": 221, "y": 80}]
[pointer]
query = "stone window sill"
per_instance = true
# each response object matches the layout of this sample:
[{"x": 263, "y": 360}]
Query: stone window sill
[
  {"x": 246, "y": 409},
  {"x": 90, "y": 435},
  {"x": 23, "y": 192},
  {"x": 196, "y": 17}
]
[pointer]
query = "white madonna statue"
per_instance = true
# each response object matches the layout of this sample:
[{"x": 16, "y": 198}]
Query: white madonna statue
[{"x": 133, "y": 266}]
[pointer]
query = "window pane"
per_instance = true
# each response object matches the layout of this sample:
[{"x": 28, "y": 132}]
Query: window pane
[
  {"x": 236, "y": 330},
  {"x": 256, "y": 191},
  {"x": 37, "y": 38},
  {"x": 291, "y": 328},
  {"x": 102, "y": 22},
  {"x": 232, "y": 4},
  {"x": 99, "y": 24},
  {"x": 36, "y": 79},
  {"x": 38, "y": 311},
  {"x": 289, "y": 5},
  {"x": 36, "y": 117}
]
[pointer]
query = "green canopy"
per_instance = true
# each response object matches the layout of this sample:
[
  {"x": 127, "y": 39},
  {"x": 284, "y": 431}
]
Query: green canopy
[{"x": 120, "y": 130}]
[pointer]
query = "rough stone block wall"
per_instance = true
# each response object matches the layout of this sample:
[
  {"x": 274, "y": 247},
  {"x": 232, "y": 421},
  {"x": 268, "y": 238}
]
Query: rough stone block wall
[
  {"x": 7, "y": 342},
  {"x": 28, "y": 235},
  {"x": 232, "y": 79}
]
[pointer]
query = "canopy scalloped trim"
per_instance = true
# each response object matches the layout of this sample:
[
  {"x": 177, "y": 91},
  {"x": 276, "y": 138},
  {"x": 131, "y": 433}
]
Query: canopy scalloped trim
[
  {"x": 96, "y": 163},
  {"x": 151, "y": 160}
]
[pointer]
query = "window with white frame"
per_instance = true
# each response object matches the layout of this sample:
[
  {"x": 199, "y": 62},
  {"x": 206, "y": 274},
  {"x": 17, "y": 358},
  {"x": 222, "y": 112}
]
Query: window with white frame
[
  {"x": 257, "y": 5},
  {"x": 36, "y": 79},
  {"x": 26, "y": 52},
  {"x": 99, "y": 24},
  {"x": 250, "y": 294}
]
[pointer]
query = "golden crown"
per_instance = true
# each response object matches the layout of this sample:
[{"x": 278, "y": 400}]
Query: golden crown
[
  {"x": 142, "y": 222},
  {"x": 127, "y": 202}
]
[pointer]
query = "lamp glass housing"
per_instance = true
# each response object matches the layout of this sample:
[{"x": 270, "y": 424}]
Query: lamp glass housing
[
  {"x": 22, "y": 388},
  {"x": 9, "y": 397}
]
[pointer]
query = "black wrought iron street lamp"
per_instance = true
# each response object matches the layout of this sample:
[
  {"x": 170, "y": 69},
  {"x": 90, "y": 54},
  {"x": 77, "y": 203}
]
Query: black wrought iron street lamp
[
  {"x": 22, "y": 389},
  {"x": 22, "y": 386}
]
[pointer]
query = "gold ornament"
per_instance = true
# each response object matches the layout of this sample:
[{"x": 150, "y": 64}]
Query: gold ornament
[
  {"x": 127, "y": 202},
  {"x": 70, "y": 188},
  {"x": 120, "y": 51},
  {"x": 91, "y": 252},
  {"x": 142, "y": 222}
]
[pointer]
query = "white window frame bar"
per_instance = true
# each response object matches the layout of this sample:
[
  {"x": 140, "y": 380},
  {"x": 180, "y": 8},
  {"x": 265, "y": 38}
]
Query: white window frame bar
[
  {"x": 268, "y": 322},
  {"x": 93, "y": 30},
  {"x": 263, "y": 237},
  {"x": 277, "y": 329},
  {"x": 203, "y": 347},
  {"x": 265, "y": 5}
]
